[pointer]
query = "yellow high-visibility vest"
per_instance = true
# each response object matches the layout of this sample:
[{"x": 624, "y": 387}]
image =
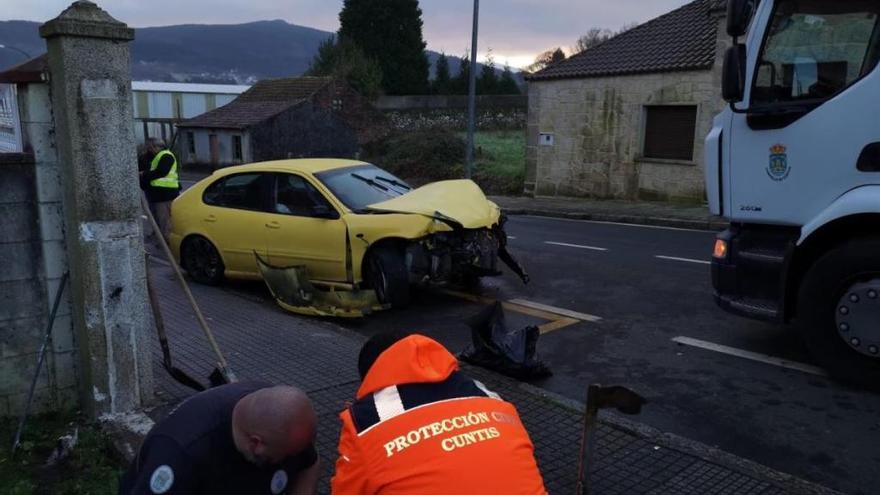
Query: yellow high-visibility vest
[{"x": 170, "y": 180}]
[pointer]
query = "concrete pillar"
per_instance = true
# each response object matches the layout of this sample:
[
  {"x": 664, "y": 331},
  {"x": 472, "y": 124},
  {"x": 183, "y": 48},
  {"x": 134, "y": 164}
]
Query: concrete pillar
[{"x": 90, "y": 82}]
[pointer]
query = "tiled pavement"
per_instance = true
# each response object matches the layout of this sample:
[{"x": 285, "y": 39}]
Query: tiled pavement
[{"x": 262, "y": 342}]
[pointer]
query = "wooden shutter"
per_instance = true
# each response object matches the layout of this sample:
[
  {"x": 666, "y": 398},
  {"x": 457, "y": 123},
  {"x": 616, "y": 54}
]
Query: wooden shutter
[{"x": 669, "y": 132}]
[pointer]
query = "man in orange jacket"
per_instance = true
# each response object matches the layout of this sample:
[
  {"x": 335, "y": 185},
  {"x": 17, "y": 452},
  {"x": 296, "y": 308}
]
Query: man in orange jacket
[{"x": 419, "y": 426}]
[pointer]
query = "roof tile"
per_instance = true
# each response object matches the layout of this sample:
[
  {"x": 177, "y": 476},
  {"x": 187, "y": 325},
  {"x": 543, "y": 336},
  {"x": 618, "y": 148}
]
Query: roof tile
[
  {"x": 683, "y": 39},
  {"x": 263, "y": 100}
]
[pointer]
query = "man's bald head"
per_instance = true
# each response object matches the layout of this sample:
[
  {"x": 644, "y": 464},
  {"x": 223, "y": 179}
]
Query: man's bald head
[{"x": 273, "y": 423}]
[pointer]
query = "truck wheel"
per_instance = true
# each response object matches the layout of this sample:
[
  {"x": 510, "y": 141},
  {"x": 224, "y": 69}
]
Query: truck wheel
[
  {"x": 201, "y": 261},
  {"x": 839, "y": 311},
  {"x": 386, "y": 273}
]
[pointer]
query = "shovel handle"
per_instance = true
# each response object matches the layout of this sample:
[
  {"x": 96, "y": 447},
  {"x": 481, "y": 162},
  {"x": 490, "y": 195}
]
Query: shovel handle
[{"x": 167, "y": 251}]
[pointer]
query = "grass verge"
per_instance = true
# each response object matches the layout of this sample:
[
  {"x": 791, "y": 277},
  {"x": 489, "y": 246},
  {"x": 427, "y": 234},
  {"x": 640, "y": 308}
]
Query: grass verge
[{"x": 91, "y": 468}]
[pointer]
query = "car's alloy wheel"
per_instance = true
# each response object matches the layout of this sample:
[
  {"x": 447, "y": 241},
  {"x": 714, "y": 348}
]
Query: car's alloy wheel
[
  {"x": 387, "y": 275},
  {"x": 202, "y": 261}
]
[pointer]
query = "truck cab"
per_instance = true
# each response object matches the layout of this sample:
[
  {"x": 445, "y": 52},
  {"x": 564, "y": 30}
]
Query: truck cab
[{"x": 794, "y": 164}]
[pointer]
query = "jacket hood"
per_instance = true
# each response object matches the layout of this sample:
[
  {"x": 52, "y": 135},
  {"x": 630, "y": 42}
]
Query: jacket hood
[
  {"x": 415, "y": 359},
  {"x": 459, "y": 200}
]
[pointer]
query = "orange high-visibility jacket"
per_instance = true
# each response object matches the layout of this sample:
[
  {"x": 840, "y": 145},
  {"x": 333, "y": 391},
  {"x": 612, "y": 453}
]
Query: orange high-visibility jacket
[{"x": 421, "y": 427}]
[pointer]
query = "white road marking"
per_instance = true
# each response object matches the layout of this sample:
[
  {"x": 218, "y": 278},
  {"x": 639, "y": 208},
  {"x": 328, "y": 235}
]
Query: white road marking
[
  {"x": 552, "y": 309},
  {"x": 754, "y": 356},
  {"x": 511, "y": 237},
  {"x": 615, "y": 223},
  {"x": 592, "y": 248},
  {"x": 687, "y": 260}
]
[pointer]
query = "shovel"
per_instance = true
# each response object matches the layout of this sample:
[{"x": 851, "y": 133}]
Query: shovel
[{"x": 222, "y": 374}]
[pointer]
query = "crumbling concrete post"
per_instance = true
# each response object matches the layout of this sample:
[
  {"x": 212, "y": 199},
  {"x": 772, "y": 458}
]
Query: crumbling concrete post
[{"x": 90, "y": 82}]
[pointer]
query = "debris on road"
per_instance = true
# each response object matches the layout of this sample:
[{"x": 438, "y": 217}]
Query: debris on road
[{"x": 512, "y": 353}]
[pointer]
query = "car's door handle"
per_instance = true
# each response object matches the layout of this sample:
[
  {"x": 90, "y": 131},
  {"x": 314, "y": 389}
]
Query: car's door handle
[
  {"x": 273, "y": 225},
  {"x": 210, "y": 218}
]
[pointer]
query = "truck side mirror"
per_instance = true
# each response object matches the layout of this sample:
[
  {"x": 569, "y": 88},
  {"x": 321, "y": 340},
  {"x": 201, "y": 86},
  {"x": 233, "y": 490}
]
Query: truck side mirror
[
  {"x": 734, "y": 74},
  {"x": 739, "y": 14}
]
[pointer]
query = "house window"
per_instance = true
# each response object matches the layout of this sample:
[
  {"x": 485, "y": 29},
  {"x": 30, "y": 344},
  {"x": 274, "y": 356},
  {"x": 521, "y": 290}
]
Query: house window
[
  {"x": 191, "y": 143},
  {"x": 337, "y": 104},
  {"x": 669, "y": 132},
  {"x": 236, "y": 148}
]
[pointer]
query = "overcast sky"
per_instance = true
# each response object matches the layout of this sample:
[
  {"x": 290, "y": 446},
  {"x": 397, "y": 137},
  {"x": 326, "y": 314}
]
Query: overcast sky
[{"x": 515, "y": 30}]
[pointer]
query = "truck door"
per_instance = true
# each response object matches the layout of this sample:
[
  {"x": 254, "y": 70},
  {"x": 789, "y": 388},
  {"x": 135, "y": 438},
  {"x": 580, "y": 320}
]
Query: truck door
[{"x": 812, "y": 90}]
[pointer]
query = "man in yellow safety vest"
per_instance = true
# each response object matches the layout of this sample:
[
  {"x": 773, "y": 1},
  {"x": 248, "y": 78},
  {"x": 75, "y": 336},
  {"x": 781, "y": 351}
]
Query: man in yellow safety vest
[{"x": 160, "y": 182}]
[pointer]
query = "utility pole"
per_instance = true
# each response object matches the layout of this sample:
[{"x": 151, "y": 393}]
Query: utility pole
[{"x": 472, "y": 96}]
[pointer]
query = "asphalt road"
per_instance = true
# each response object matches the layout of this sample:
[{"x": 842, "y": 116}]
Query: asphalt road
[
  {"x": 651, "y": 285},
  {"x": 790, "y": 420}
]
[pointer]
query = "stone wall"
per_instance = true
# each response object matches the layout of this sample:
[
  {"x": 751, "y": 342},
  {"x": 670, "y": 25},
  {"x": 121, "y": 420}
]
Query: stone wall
[
  {"x": 420, "y": 112},
  {"x": 597, "y": 125},
  {"x": 598, "y": 130},
  {"x": 34, "y": 257}
]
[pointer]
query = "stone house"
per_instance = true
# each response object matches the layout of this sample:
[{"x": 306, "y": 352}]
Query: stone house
[
  {"x": 626, "y": 119},
  {"x": 282, "y": 118}
]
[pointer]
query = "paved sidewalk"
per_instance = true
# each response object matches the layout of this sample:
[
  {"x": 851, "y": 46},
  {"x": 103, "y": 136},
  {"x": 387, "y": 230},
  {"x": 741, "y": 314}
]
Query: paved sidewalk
[
  {"x": 262, "y": 342},
  {"x": 607, "y": 210}
]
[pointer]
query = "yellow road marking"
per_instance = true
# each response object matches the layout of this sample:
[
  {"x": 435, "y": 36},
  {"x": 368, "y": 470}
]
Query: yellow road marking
[
  {"x": 555, "y": 321},
  {"x": 557, "y": 324}
]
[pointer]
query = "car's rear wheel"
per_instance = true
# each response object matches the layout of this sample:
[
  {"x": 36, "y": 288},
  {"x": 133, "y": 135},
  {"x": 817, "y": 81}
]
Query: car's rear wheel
[
  {"x": 385, "y": 272},
  {"x": 202, "y": 260}
]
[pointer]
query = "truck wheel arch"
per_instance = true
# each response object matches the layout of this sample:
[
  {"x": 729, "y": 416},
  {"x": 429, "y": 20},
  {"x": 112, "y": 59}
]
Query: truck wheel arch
[{"x": 821, "y": 238}]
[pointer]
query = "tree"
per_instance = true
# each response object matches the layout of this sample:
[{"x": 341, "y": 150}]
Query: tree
[
  {"x": 461, "y": 82},
  {"x": 344, "y": 60},
  {"x": 389, "y": 31},
  {"x": 442, "y": 81},
  {"x": 507, "y": 84},
  {"x": 546, "y": 59},
  {"x": 487, "y": 83},
  {"x": 596, "y": 36}
]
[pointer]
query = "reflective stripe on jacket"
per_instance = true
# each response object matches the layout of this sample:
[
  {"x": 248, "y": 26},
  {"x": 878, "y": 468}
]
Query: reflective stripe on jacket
[
  {"x": 171, "y": 179},
  {"x": 421, "y": 426}
]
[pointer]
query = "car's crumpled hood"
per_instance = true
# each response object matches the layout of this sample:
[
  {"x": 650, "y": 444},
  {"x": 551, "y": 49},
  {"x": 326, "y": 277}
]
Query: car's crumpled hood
[{"x": 461, "y": 201}]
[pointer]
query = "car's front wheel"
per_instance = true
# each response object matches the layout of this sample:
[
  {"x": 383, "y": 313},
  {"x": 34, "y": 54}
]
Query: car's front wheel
[
  {"x": 201, "y": 260},
  {"x": 385, "y": 272}
]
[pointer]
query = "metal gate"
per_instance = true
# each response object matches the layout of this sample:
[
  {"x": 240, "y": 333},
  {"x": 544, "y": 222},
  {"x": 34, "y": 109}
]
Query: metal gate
[{"x": 10, "y": 125}]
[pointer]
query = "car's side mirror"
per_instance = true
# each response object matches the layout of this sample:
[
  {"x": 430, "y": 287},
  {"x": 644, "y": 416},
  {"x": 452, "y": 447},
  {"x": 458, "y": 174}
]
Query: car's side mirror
[
  {"x": 324, "y": 211},
  {"x": 739, "y": 15},
  {"x": 734, "y": 74}
]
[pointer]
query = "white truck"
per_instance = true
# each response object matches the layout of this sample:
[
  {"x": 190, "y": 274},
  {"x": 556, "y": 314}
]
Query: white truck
[{"x": 794, "y": 164}]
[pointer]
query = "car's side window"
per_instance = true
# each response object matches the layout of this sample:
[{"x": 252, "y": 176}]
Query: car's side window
[
  {"x": 241, "y": 191},
  {"x": 296, "y": 196}
]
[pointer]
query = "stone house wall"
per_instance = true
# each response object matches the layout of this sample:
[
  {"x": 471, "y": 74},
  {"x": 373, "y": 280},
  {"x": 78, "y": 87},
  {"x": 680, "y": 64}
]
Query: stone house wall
[{"x": 598, "y": 129}]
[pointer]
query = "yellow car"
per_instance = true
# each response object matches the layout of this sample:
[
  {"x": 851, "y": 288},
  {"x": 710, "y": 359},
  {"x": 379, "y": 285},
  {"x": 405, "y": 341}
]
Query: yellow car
[{"x": 351, "y": 224}]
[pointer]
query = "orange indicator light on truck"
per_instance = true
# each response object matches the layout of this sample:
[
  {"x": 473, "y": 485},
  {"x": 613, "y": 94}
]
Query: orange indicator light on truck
[{"x": 720, "y": 249}]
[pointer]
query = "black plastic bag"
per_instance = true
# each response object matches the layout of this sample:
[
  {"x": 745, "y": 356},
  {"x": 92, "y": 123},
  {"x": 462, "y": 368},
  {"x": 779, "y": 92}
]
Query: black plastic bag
[{"x": 511, "y": 353}]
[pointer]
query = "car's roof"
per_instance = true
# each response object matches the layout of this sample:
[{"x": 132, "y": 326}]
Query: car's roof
[{"x": 304, "y": 165}]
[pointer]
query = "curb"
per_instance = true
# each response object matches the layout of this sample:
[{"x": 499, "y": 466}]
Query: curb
[
  {"x": 702, "y": 451},
  {"x": 710, "y": 224}
]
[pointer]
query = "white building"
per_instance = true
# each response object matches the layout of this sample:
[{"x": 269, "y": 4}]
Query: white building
[{"x": 160, "y": 105}]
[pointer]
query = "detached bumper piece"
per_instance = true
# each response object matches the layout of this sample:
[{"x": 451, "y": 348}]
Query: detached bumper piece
[
  {"x": 504, "y": 255},
  {"x": 292, "y": 291}
]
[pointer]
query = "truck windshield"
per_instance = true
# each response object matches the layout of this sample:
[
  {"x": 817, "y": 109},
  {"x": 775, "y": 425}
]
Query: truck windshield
[
  {"x": 815, "y": 49},
  {"x": 362, "y": 185}
]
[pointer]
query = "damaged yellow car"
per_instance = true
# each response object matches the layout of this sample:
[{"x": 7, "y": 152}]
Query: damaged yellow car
[{"x": 347, "y": 226}]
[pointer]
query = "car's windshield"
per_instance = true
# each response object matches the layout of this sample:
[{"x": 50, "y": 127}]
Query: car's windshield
[{"x": 363, "y": 185}]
